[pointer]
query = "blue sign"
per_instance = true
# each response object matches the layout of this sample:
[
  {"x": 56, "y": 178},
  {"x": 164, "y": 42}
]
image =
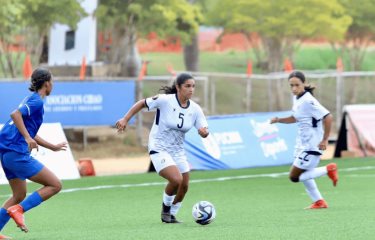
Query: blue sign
[
  {"x": 74, "y": 103},
  {"x": 242, "y": 141}
]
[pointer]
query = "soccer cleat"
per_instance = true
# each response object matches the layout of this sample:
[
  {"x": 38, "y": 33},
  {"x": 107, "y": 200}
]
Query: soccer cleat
[
  {"x": 174, "y": 220},
  {"x": 5, "y": 237},
  {"x": 16, "y": 212},
  {"x": 332, "y": 173},
  {"x": 166, "y": 213},
  {"x": 318, "y": 205}
]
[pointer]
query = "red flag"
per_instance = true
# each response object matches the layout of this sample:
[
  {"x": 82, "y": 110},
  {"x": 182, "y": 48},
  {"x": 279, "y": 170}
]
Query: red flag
[
  {"x": 143, "y": 71},
  {"x": 27, "y": 68},
  {"x": 82, "y": 72},
  {"x": 288, "y": 66},
  {"x": 170, "y": 69},
  {"x": 249, "y": 70},
  {"x": 339, "y": 65}
]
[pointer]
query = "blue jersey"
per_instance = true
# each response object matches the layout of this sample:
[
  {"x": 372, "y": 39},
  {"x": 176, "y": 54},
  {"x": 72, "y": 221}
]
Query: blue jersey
[{"x": 32, "y": 112}]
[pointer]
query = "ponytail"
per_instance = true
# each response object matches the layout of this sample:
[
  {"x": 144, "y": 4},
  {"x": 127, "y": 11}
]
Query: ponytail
[{"x": 181, "y": 79}]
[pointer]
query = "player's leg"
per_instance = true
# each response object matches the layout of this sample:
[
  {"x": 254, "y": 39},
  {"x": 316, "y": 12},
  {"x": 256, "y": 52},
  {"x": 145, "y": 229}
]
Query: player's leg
[
  {"x": 18, "y": 187},
  {"x": 166, "y": 167},
  {"x": 51, "y": 186},
  {"x": 184, "y": 168},
  {"x": 181, "y": 192},
  {"x": 305, "y": 170},
  {"x": 174, "y": 177}
]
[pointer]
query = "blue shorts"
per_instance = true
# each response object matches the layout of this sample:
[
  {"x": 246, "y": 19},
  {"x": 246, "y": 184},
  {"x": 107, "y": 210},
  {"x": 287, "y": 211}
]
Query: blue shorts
[{"x": 19, "y": 165}]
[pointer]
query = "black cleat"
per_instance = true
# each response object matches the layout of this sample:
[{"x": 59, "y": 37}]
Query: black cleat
[
  {"x": 166, "y": 213},
  {"x": 174, "y": 220}
]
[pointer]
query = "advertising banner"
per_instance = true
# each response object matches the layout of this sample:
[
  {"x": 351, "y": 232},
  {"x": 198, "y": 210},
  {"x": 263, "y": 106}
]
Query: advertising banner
[
  {"x": 74, "y": 103},
  {"x": 242, "y": 141}
]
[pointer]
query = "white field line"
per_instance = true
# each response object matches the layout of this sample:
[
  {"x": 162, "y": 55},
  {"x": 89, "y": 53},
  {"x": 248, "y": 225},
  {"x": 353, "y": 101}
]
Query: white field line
[{"x": 270, "y": 175}]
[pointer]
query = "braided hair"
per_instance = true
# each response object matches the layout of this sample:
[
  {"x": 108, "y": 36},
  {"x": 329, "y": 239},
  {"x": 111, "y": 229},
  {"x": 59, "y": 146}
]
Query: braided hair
[
  {"x": 301, "y": 76},
  {"x": 181, "y": 79},
  {"x": 38, "y": 78}
]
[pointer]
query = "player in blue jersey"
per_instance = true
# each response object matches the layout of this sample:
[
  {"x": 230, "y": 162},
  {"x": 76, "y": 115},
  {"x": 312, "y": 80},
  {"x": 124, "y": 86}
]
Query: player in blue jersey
[
  {"x": 314, "y": 124},
  {"x": 17, "y": 139},
  {"x": 175, "y": 115}
]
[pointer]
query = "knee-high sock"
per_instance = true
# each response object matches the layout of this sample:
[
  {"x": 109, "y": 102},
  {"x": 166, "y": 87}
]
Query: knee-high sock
[
  {"x": 31, "y": 201},
  {"x": 175, "y": 207},
  {"x": 4, "y": 218},
  {"x": 312, "y": 190},
  {"x": 313, "y": 173},
  {"x": 168, "y": 200}
]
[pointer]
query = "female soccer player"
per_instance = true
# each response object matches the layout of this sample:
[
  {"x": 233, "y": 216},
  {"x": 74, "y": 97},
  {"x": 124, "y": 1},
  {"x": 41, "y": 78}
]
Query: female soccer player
[
  {"x": 176, "y": 114},
  {"x": 314, "y": 124},
  {"x": 17, "y": 138}
]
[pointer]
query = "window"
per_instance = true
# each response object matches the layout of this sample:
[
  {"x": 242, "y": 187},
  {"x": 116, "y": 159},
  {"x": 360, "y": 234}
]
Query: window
[{"x": 69, "y": 39}]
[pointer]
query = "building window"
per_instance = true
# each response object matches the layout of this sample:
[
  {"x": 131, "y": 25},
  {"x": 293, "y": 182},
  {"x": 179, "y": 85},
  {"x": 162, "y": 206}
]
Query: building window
[{"x": 69, "y": 39}]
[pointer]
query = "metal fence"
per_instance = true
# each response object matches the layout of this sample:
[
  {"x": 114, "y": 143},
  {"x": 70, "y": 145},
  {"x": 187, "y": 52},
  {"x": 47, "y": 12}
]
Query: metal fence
[{"x": 220, "y": 93}]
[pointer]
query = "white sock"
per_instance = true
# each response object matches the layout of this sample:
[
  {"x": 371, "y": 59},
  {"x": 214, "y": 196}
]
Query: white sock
[
  {"x": 175, "y": 207},
  {"x": 313, "y": 173},
  {"x": 168, "y": 200},
  {"x": 312, "y": 190}
]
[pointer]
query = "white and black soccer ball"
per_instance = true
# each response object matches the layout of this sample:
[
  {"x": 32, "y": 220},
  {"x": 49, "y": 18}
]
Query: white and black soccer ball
[{"x": 204, "y": 212}]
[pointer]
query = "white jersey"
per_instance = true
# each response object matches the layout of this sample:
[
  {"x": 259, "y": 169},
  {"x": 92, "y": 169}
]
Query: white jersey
[
  {"x": 309, "y": 114},
  {"x": 172, "y": 122}
]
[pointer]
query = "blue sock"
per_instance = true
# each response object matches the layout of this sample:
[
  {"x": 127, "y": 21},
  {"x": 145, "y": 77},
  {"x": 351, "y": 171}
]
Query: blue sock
[
  {"x": 4, "y": 218},
  {"x": 31, "y": 201}
]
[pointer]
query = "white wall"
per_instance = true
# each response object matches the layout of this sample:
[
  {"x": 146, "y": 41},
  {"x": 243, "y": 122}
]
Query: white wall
[{"x": 85, "y": 40}]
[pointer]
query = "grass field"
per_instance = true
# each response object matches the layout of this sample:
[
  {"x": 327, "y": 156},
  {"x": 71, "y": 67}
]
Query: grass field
[{"x": 250, "y": 203}]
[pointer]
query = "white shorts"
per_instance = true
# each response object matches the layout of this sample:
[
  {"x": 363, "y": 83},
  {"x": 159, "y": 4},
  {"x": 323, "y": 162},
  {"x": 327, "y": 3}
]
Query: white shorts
[
  {"x": 306, "y": 161},
  {"x": 162, "y": 160}
]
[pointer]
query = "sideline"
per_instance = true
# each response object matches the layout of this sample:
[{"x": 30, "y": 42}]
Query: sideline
[{"x": 270, "y": 175}]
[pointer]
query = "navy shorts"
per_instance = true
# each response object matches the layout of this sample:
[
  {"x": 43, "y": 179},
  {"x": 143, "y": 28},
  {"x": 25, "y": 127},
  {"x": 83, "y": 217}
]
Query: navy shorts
[{"x": 19, "y": 165}]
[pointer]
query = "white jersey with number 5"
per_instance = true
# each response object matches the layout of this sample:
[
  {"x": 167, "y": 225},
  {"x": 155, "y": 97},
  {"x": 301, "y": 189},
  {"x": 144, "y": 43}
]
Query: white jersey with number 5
[
  {"x": 171, "y": 123},
  {"x": 309, "y": 114}
]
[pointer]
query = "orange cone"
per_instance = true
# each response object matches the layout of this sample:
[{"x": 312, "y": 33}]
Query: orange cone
[
  {"x": 143, "y": 71},
  {"x": 170, "y": 69},
  {"x": 288, "y": 66},
  {"x": 86, "y": 167},
  {"x": 82, "y": 72},
  {"x": 249, "y": 70},
  {"x": 339, "y": 65},
  {"x": 27, "y": 68}
]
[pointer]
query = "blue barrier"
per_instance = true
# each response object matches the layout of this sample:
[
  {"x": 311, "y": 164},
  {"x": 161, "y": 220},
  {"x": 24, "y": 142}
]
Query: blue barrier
[
  {"x": 242, "y": 141},
  {"x": 74, "y": 103}
]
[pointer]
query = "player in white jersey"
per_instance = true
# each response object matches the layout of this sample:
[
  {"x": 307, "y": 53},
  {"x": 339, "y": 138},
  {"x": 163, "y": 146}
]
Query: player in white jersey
[
  {"x": 314, "y": 124},
  {"x": 176, "y": 114}
]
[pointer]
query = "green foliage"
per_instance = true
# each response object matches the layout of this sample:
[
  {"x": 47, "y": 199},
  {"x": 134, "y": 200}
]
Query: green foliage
[
  {"x": 42, "y": 14},
  {"x": 362, "y": 13},
  {"x": 283, "y": 18},
  {"x": 164, "y": 17}
]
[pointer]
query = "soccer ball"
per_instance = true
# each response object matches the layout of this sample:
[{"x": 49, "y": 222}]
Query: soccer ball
[{"x": 204, "y": 212}]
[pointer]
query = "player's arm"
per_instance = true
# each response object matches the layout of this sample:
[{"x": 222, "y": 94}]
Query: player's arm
[
  {"x": 54, "y": 147},
  {"x": 123, "y": 122},
  {"x": 18, "y": 121},
  {"x": 289, "y": 119},
  {"x": 327, "y": 123}
]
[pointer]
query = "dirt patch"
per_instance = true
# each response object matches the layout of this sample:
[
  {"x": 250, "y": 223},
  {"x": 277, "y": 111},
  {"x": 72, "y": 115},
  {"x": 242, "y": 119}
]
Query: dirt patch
[{"x": 110, "y": 152}]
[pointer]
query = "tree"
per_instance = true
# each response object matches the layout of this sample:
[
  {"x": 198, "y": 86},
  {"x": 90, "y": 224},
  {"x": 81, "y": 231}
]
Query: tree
[
  {"x": 361, "y": 32},
  {"x": 280, "y": 24},
  {"x": 25, "y": 24},
  {"x": 128, "y": 20}
]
